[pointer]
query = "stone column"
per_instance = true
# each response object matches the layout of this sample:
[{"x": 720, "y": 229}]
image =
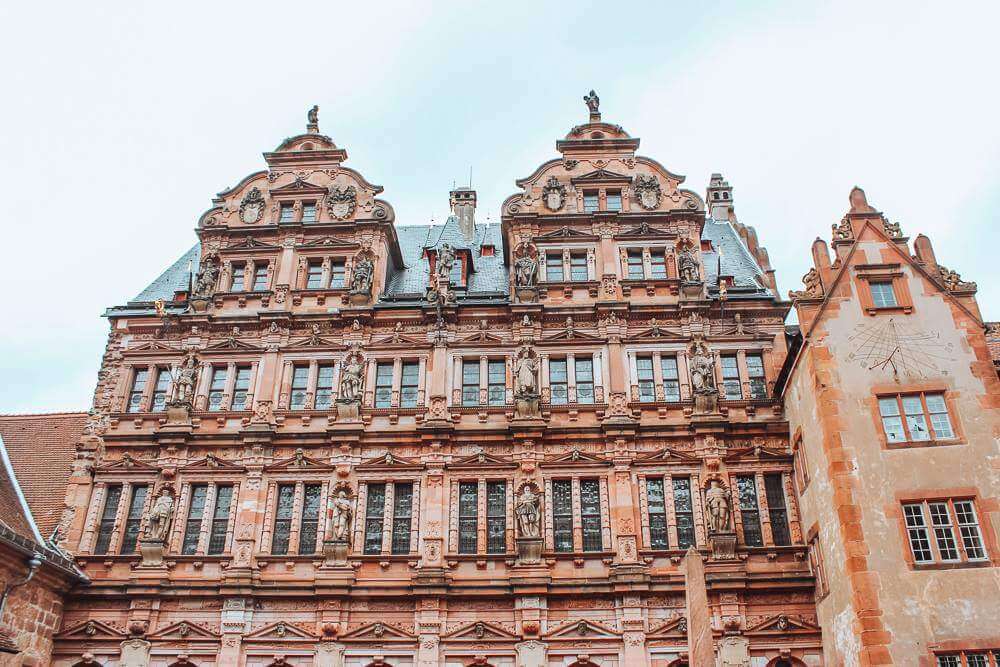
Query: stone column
[{"x": 699, "y": 616}]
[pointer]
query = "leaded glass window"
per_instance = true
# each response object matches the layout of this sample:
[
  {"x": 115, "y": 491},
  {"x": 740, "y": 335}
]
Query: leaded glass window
[
  {"x": 671, "y": 380},
  {"x": 755, "y": 372},
  {"x": 338, "y": 273},
  {"x": 383, "y": 384},
  {"x": 683, "y": 512},
  {"x": 196, "y": 512},
  {"x": 314, "y": 275},
  {"x": 562, "y": 514},
  {"x": 260, "y": 277},
  {"x": 130, "y": 536},
  {"x": 409, "y": 386},
  {"x": 644, "y": 378},
  {"x": 374, "y": 518},
  {"x": 558, "y": 379},
  {"x": 746, "y": 487},
  {"x": 470, "y": 382},
  {"x": 590, "y": 514},
  {"x": 883, "y": 295},
  {"x": 310, "y": 518},
  {"x": 778, "y": 513},
  {"x": 220, "y": 520},
  {"x": 658, "y": 263},
  {"x": 578, "y": 267},
  {"x": 106, "y": 527},
  {"x": 217, "y": 389},
  {"x": 160, "y": 390},
  {"x": 584, "y": 368},
  {"x": 283, "y": 519},
  {"x": 731, "y": 378},
  {"x": 241, "y": 388},
  {"x": 497, "y": 381},
  {"x": 496, "y": 517},
  {"x": 138, "y": 388},
  {"x": 324, "y": 386},
  {"x": 300, "y": 387},
  {"x": 402, "y": 517},
  {"x": 657, "y": 509},
  {"x": 468, "y": 504}
]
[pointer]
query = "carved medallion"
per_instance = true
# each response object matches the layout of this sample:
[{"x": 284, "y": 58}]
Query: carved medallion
[
  {"x": 554, "y": 194},
  {"x": 252, "y": 207},
  {"x": 647, "y": 189},
  {"x": 341, "y": 202}
]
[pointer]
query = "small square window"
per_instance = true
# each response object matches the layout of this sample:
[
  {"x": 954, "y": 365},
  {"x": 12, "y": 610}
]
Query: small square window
[
  {"x": 309, "y": 211},
  {"x": 614, "y": 199},
  {"x": 578, "y": 267},
  {"x": 591, "y": 201},
  {"x": 883, "y": 295},
  {"x": 287, "y": 213}
]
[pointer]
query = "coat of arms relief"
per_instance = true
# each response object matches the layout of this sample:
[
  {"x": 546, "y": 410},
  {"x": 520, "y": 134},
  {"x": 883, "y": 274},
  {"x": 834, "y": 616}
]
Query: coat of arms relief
[
  {"x": 341, "y": 202},
  {"x": 647, "y": 191}
]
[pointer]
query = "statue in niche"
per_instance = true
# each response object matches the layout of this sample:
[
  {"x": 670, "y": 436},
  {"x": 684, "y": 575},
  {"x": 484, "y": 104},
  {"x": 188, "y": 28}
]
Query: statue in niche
[
  {"x": 526, "y": 265},
  {"x": 362, "y": 275},
  {"x": 687, "y": 263},
  {"x": 182, "y": 392},
  {"x": 717, "y": 506},
  {"x": 353, "y": 376},
  {"x": 343, "y": 513},
  {"x": 160, "y": 516},
  {"x": 526, "y": 373},
  {"x": 445, "y": 263},
  {"x": 529, "y": 514},
  {"x": 205, "y": 279},
  {"x": 702, "y": 369}
]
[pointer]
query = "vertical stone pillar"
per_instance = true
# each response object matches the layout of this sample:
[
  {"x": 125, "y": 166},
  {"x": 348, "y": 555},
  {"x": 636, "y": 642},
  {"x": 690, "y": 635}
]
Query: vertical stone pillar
[
  {"x": 623, "y": 519},
  {"x": 433, "y": 504},
  {"x": 699, "y": 617}
]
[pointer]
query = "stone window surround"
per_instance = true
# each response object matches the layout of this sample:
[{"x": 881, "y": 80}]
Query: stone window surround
[
  {"x": 481, "y": 534},
  {"x": 920, "y": 388},
  {"x": 96, "y": 509},
  {"x": 225, "y": 283},
  {"x": 865, "y": 274},
  {"x": 299, "y": 479},
  {"x": 949, "y": 496},
  {"x": 696, "y": 506},
  {"x": 681, "y": 352},
  {"x": 313, "y": 361},
  {"x": 763, "y": 510},
  {"x": 371, "y": 365},
  {"x": 456, "y": 363},
  {"x": 547, "y": 521},
  {"x": 153, "y": 370},
  {"x": 202, "y": 386},
  {"x": 988, "y": 649},
  {"x": 647, "y": 268},
  {"x": 566, "y": 249},
  {"x": 183, "y": 506},
  {"x": 360, "y": 507},
  {"x": 817, "y": 562},
  {"x": 327, "y": 257}
]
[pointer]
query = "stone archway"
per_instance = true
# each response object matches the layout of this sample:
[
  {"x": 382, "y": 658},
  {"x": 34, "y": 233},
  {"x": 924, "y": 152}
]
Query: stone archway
[
  {"x": 88, "y": 660},
  {"x": 786, "y": 662}
]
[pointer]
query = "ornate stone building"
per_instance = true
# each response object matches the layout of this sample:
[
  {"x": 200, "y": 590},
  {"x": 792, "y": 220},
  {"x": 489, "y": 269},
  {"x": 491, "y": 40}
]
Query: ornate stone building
[{"x": 320, "y": 438}]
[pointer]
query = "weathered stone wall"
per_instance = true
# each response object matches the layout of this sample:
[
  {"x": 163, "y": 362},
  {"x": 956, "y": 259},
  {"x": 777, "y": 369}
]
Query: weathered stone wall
[{"x": 33, "y": 613}]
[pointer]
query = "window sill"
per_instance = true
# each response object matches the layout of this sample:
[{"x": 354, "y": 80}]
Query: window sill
[
  {"x": 918, "y": 444},
  {"x": 972, "y": 564},
  {"x": 876, "y": 310}
]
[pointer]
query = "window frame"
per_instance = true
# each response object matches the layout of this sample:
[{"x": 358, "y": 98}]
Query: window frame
[
  {"x": 390, "y": 524},
  {"x": 562, "y": 521},
  {"x": 931, "y": 534},
  {"x": 927, "y": 416}
]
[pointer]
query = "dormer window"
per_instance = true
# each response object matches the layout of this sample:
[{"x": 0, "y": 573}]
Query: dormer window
[
  {"x": 486, "y": 251},
  {"x": 591, "y": 201},
  {"x": 614, "y": 200},
  {"x": 287, "y": 212},
  {"x": 309, "y": 211}
]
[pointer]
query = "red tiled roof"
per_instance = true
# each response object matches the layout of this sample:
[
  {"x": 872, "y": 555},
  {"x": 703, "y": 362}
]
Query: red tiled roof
[
  {"x": 41, "y": 449},
  {"x": 11, "y": 511}
]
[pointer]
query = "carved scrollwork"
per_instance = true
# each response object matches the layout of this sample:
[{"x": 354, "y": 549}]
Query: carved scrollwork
[
  {"x": 341, "y": 202},
  {"x": 252, "y": 206},
  {"x": 554, "y": 194},
  {"x": 647, "y": 190}
]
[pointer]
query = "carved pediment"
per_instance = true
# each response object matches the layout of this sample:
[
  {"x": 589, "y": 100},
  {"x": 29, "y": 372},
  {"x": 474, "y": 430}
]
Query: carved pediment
[
  {"x": 657, "y": 332},
  {"x": 644, "y": 230},
  {"x": 782, "y": 624},
  {"x": 299, "y": 186},
  {"x": 299, "y": 462},
  {"x": 313, "y": 341},
  {"x": 127, "y": 463},
  {"x": 601, "y": 176},
  {"x": 250, "y": 243},
  {"x": 92, "y": 631},
  {"x": 399, "y": 340},
  {"x": 674, "y": 628},
  {"x": 378, "y": 632},
  {"x": 153, "y": 346},
  {"x": 328, "y": 242},
  {"x": 233, "y": 343},
  {"x": 570, "y": 333},
  {"x": 582, "y": 630},
  {"x": 564, "y": 233},
  {"x": 212, "y": 463},
  {"x": 280, "y": 631},
  {"x": 481, "y": 631},
  {"x": 575, "y": 457},
  {"x": 756, "y": 454},
  {"x": 481, "y": 460},
  {"x": 389, "y": 462},
  {"x": 666, "y": 455},
  {"x": 184, "y": 631}
]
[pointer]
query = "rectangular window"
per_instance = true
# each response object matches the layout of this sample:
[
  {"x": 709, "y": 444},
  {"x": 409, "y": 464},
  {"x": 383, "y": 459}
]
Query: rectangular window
[
  {"x": 683, "y": 512},
  {"x": 220, "y": 520},
  {"x": 578, "y": 267},
  {"x": 138, "y": 388},
  {"x": 496, "y": 517},
  {"x": 916, "y": 532},
  {"x": 657, "y": 510},
  {"x": 314, "y": 275},
  {"x": 671, "y": 379},
  {"x": 457, "y": 275},
  {"x": 818, "y": 568},
  {"x": 945, "y": 516},
  {"x": 562, "y": 515},
  {"x": 195, "y": 514},
  {"x": 383, "y": 384},
  {"x": 409, "y": 387},
  {"x": 883, "y": 295},
  {"x": 337, "y": 274},
  {"x": 402, "y": 517},
  {"x": 287, "y": 212},
  {"x": 468, "y": 504},
  {"x": 584, "y": 368},
  {"x": 590, "y": 514},
  {"x": 497, "y": 381},
  {"x": 644, "y": 378},
  {"x": 635, "y": 268},
  {"x": 944, "y": 532},
  {"x": 915, "y": 418},
  {"x": 731, "y": 378},
  {"x": 107, "y": 525},
  {"x": 310, "y": 518},
  {"x": 130, "y": 536},
  {"x": 971, "y": 659},
  {"x": 324, "y": 387},
  {"x": 968, "y": 526},
  {"x": 470, "y": 382},
  {"x": 553, "y": 268},
  {"x": 749, "y": 511},
  {"x": 774, "y": 488},
  {"x": 260, "y": 277},
  {"x": 217, "y": 389},
  {"x": 591, "y": 201},
  {"x": 160, "y": 390},
  {"x": 241, "y": 388},
  {"x": 300, "y": 387},
  {"x": 374, "y": 517},
  {"x": 558, "y": 379},
  {"x": 238, "y": 283},
  {"x": 309, "y": 211},
  {"x": 614, "y": 200},
  {"x": 658, "y": 263},
  {"x": 283, "y": 519},
  {"x": 755, "y": 372}
]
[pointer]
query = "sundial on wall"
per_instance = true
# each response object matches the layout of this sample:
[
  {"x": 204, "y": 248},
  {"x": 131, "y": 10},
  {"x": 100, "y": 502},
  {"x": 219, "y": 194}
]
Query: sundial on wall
[{"x": 899, "y": 349}]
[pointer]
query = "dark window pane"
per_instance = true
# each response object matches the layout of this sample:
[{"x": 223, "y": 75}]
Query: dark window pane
[
  {"x": 656, "y": 506},
  {"x": 590, "y": 514},
  {"x": 562, "y": 514},
  {"x": 683, "y": 512},
  {"x": 755, "y": 370},
  {"x": 220, "y": 520},
  {"x": 749, "y": 511},
  {"x": 283, "y": 519},
  {"x": 310, "y": 518},
  {"x": 130, "y": 536},
  {"x": 497, "y": 376},
  {"x": 196, "y": 512},
  {"x": 496, "y": 517},
  {"x": 402, "y": 517},
  {"x": 468, "y": 503},
  {"x": 374, "y": 515},
  {"x": 776, "y": 509},
  {"x": 107, "y": 526},
  {"x": 731, "y": 378}
]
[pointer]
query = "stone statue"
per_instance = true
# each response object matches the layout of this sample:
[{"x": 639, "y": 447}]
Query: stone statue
[
  {"x": 687, "y": 264},
  {"x": 313, "y": 115},
  {"x": 593, "y": 102},
  {"x": 353, "y": 376},
  {"x": 185, "y": 380},
  {"x": 362, "y": 275},
  {"x": 445, "y": 262},
  {"x": 702, "y": 369},
  {"x": 525, "y": 271},
  {"x": 205, "y": 279},
  {"x": 526, "y": 373},
  {"x": 158, "y": 526},
  {"x": 717, "y": 506},
  {"x": 529, "y": 515},
  {"x": 343, "y": 513}
]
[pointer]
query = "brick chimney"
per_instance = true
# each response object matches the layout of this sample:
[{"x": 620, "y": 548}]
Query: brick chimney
[{"x": 463, "y": 205}]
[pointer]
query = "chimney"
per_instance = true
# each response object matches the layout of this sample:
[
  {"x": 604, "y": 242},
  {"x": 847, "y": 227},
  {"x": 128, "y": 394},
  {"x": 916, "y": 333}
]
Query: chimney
[
  {"x": 463, "y": 205},
  {"x": 720, "y": 199}
]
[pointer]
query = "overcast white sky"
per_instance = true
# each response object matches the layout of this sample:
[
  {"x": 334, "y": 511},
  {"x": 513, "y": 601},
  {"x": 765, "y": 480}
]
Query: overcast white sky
[{"x": 121, "y": 120}]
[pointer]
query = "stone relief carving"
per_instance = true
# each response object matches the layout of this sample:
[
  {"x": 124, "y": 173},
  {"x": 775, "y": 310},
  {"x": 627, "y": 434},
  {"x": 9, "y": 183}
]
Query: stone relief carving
[
  {"x": 953, "y": 281},
  {"x": 843, "y": 231},
  {"x": 341, "y": 202},
  {"x": 648, "y": 191},
  {"x": 892, "y": 229},
  {"x": 252, "y": 207},
  {"x": 554, "y": 194}
]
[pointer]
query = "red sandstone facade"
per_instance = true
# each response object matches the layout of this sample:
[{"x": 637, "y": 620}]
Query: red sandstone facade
[{"x": 558, "y": 441}]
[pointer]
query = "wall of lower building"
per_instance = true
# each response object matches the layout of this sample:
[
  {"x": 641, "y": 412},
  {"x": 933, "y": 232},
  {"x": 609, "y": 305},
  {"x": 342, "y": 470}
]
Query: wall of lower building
[{"x": 33, "y": 612}]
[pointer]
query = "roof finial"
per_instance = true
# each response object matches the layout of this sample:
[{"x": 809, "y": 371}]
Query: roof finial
[
  {"x": 312, "y": 126},
  {"x": 594, "y": 104}
]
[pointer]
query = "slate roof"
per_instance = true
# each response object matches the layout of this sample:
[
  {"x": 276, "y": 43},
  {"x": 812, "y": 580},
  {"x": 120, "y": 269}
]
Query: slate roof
[
  {"x": 489, "y": 279},
  {"x": 41, "y": 449}
]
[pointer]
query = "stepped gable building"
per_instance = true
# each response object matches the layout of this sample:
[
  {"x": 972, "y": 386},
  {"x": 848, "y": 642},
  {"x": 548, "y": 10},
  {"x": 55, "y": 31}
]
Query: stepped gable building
[{"x": 347, "y": 442}]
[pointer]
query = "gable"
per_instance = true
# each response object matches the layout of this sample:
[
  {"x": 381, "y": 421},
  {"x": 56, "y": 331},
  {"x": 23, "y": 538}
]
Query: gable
[
  {"x": 582, "y": 630},
  {"x": 280, "y": 631},
  {"x": 378, "y": 632},
  {"x": 481, "y": 631},
  {"x": 184, "y": 631}
]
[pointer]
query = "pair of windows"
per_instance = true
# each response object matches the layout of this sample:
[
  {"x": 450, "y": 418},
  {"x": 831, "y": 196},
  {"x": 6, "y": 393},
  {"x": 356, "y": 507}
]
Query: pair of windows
[
  {"x": 109, "y": 519},
  {"x": 646, "y": 378},
  {"x": 915, "y": 417},
  {"x": 220, "y": 383},
  {"x": 243, "y": 274},
  {"x": 310, "y": 392},
  {"x": 496, "y": 382},
  {"x": 588, "y": 498},
  {"x": 559, "y": 269},
  {"x": 284, "y": 512},
  {"x": 409, "y": 384},
  {"x": 286, "y": 214},
  {"x": 989, "y": 658},
  {"x": 592, "y": 201},
  {"x": 636, "y": 266},
  {"x": 732, "y": 386},
  {"x": 317, "y": 276},
  {"x": 931, "y": 530},
  {"x": 494, "y": 523},
  {"x": 394, "y": 514},
  {"x": 207, "y": 514},
  {"x": 158, "y": 399},
  {"x": 656, "y": 504},
  {"x": 750, "y": 513},
  {"x": 583, "y": 368}
]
